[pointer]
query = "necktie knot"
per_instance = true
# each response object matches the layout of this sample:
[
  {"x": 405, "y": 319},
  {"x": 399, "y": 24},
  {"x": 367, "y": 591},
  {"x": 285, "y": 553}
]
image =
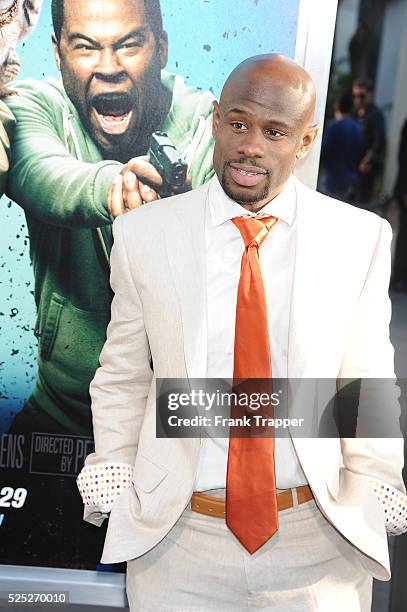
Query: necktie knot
[{"x": 254, "y": 230}]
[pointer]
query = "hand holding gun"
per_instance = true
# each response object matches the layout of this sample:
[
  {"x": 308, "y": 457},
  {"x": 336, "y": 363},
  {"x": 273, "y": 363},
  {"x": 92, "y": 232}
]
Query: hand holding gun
[
  {"x": 167, "y": 161},
  {"x": 144, "y": 179}
]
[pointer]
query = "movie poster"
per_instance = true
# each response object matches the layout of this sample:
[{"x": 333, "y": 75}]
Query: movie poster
[{"x": 73, "y": 139}]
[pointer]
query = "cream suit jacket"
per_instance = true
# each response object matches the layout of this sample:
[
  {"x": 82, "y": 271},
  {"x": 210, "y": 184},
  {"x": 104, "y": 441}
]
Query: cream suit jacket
[{"x": 339, "y": 328}]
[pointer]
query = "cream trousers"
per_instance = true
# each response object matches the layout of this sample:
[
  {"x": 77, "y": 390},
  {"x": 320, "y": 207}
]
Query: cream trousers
[{"x": 200, "y": 566}]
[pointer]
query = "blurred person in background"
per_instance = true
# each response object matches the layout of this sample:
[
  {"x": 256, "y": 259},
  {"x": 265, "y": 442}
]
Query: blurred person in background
[
  {"x": 342, "y": 150},
  {"x": 372, "y": 121},
  {"x": 399, "y": 277}
]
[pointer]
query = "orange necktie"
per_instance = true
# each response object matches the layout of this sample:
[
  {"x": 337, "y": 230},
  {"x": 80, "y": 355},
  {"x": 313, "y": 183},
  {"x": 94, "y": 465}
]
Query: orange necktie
[{"x": 251, "y": 502}]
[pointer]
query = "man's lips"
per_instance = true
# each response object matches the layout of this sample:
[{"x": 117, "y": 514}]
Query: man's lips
[
  {"x": 112, "y": 124},
  {"x": 246, "y": 176}
]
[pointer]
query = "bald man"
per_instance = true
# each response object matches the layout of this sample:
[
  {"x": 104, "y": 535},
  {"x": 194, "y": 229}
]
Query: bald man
[{"x": 252, "y": 276}]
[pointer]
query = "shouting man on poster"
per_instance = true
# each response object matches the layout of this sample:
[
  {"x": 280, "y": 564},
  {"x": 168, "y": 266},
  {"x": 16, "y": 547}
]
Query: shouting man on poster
[{"x": 78, "y": 161}]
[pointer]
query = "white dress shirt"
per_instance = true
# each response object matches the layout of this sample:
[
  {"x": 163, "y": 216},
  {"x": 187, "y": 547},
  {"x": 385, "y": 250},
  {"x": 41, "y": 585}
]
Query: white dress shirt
[{"x": 224, "y": 250}]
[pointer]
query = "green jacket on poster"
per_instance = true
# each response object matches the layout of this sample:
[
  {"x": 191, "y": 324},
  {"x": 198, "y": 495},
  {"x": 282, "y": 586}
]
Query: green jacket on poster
[{"x": 59, "y": 178}]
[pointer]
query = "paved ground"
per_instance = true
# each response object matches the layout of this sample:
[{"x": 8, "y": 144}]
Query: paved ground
[{"x": 65, "y": 608}]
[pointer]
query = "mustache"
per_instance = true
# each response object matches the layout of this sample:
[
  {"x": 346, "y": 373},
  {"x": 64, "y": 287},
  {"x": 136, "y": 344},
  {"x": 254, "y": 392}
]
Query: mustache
[
  {"x": 113, "y": 103},
  {"x": 246, "y": 161}
]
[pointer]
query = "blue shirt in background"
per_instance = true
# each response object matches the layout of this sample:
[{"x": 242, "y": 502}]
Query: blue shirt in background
[{"x": 342, "y": 150}]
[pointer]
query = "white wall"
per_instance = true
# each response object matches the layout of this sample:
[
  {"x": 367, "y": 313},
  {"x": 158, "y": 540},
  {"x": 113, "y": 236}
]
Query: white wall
[
  {"x": 391, "y": 42},
  {"x": 313, "y": 51},
  {"x": 346, "y": 25}
]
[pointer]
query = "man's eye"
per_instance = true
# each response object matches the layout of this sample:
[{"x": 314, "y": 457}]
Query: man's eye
[
  {"x": 274, "y": 133},
  {"x": 238, "y": 125},
  {"x": 132, "y": 45},
  {"x": 83, "y": 47}
]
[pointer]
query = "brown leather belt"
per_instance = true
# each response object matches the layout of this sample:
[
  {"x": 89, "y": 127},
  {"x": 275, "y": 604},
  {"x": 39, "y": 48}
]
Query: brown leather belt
[{"x": 216, "y": 506}]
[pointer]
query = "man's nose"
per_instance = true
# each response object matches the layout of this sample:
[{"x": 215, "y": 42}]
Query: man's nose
[
  {"x": 108, "y": 67},
  {"x": 252, "y": 143}
]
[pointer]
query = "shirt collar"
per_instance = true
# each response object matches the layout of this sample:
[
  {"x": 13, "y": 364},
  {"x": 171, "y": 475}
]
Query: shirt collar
[{"x": 222, "y": 208}]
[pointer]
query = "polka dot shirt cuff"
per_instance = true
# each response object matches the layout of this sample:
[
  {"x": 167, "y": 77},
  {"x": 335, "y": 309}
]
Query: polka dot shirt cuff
[
  {"x": 394, "y": 506},
  {"x": 100, "y": 485}
]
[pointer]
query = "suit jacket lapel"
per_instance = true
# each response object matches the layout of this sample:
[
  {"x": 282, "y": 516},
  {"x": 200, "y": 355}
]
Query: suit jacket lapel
[
  {"x": 297, "y": 348},
  {"x": 186, "y": 253},
  {"x": 308, "y": 305},
  {"x": 317, "y": 307}
]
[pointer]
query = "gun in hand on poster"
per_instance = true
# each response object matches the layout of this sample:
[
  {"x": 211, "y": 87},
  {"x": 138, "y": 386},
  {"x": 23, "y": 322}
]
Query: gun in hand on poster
[
  {"x": 143, "y": 179},
  {"x": 167, "y": 161}
]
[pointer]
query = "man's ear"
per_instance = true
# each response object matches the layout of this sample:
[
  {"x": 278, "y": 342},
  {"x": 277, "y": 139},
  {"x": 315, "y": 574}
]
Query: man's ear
[
  {"x": 215, "y": 118},
  {"x": 307, "y": 141},
  {"x": 163, "y": 49},
  {"x": 57, "y": 55}
]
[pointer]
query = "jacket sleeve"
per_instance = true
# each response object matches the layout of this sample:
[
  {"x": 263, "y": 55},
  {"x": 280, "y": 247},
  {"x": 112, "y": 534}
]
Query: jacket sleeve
[
  {"x": 7, "y": 125},
  {"x": 375, "y": 131},
  {"x": 45, "y": 179},
  {"x": 118, "y": 391},
  {"x": 377, "y": 451}
]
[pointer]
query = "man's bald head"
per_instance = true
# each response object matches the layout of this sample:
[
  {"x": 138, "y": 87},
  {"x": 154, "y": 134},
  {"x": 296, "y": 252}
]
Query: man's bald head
[
  {"x": 252, "y": 76},
  {"x": 263, "y": 123}
]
